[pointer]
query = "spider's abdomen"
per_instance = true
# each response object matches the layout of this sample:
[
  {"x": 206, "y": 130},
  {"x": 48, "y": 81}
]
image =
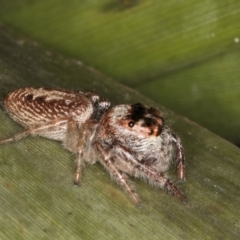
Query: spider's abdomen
[{"x": 37, "y": 106}]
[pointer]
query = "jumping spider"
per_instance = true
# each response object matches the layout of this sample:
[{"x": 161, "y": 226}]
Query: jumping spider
[{"x": 126, "y": 139}]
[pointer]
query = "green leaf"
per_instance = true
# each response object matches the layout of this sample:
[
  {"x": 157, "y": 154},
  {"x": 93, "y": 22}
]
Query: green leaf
[
  {"x": 145, "y": 40},
  {"x": 39, "y": 201}
]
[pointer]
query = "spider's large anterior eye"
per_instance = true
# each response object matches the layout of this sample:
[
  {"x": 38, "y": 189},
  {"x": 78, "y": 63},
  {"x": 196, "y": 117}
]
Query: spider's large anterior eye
[{"x": 131, "y": 124}]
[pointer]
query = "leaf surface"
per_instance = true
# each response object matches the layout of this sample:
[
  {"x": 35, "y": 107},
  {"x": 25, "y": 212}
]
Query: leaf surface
[{"x": 39, "y": 201}]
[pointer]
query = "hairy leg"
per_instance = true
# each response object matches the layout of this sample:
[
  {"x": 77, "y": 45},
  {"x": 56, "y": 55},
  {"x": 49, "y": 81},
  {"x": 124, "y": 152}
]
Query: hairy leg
[
  {"x": 121, "y": 178},
  {"x": 39, "y": 130},
  {"x": 78, "y": 170},
  {"x": 158, "y": 179},
  {"x": 180, "y": 160}
]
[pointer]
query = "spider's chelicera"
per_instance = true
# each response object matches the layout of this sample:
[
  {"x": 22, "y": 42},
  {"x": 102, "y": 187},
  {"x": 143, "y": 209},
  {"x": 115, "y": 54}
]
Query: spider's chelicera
[{"x": 126, "y": 139}]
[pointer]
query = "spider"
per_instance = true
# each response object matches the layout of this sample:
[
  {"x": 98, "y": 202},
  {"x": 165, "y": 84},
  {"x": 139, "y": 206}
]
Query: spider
[{"x": 127, "y": 139}]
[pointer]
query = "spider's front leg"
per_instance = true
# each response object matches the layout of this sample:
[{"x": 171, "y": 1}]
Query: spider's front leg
[
  {"x": 180, "y": 160},
  {"x": 153, "y": 176},
  {"x": 108, "y": 160}
]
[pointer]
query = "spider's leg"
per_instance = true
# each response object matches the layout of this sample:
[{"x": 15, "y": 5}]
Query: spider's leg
[
  {"x": 74, "y": 143},
  {"x": 78, "y": 140},
  {"x": 16, "y": 137},
  {"x": 155, "y": 177},
  {"x": 78, "y": 170},
  {"x": 180, "y": 160},
  {"x": 121, "y": 178},
  {"x": 39, "y": 130}
]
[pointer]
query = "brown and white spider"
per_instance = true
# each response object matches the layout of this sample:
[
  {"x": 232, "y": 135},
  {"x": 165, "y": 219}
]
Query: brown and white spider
[{"x": 126, "y": 139}]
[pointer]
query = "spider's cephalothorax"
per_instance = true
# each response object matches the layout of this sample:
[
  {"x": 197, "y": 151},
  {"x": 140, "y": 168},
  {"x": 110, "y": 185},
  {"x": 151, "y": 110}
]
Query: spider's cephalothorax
[{"x": 127, "y": 139}]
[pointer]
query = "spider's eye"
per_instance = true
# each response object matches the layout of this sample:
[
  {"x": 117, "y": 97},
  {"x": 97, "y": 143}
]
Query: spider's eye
[{"x": 131, "y": 124}]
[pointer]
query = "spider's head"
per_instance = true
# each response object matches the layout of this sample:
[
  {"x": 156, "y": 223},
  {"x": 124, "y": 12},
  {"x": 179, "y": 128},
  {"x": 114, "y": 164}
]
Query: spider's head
[
  {"x": 143, "y": 120},
  {"x": 134, "y": 120}
]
